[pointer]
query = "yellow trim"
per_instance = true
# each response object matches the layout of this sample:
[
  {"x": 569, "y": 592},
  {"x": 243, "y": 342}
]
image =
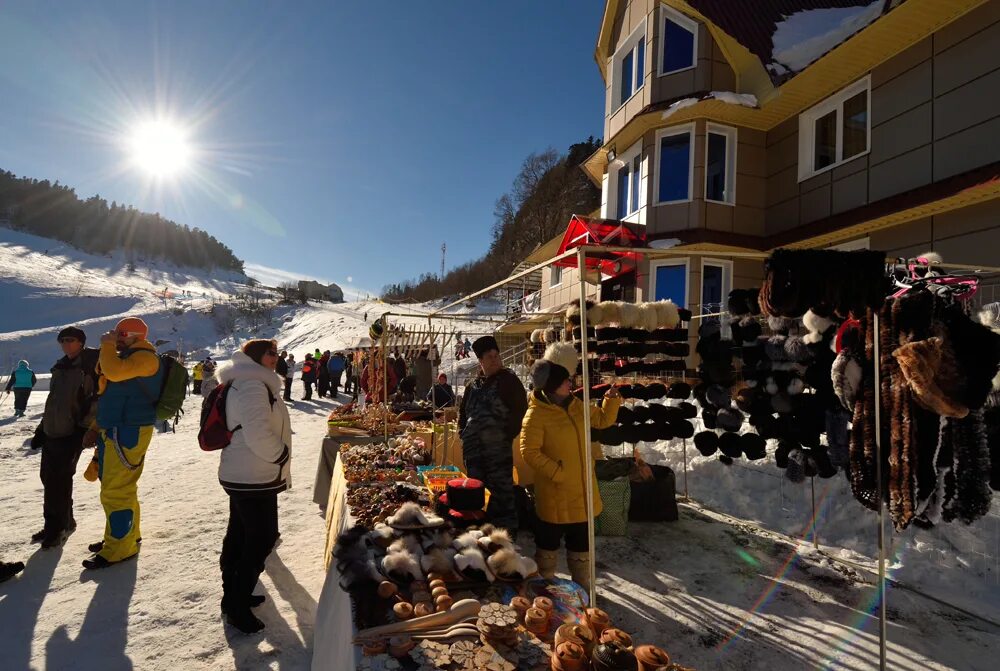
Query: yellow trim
[
  {"x": 966, "y": 198},
  {"x": 546, "y": 250}
]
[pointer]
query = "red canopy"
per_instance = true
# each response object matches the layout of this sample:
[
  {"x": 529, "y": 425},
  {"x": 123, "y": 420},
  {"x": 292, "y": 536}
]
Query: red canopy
[{"x": 602, "y": 232}]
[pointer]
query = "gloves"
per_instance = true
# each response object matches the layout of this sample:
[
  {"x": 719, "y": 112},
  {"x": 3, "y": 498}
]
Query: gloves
[
  {"x": 90, "y": 438},
  {"x": 92, "y": 469}
]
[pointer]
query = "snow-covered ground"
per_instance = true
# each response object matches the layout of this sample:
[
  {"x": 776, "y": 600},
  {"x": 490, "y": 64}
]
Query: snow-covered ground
[{"x": 718, "y": 594}]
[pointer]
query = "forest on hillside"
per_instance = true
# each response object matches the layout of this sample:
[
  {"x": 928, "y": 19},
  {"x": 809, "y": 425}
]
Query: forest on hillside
[
  {"x": 549, "y": 188},
  {"x": 55, "y": 211}
]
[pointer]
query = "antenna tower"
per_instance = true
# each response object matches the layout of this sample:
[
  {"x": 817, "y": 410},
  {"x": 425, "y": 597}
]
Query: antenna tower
[{"x": 444, "y": 248}]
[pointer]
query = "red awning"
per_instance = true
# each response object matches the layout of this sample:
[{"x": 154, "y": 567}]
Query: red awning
[{"x": 602, "y": 232}]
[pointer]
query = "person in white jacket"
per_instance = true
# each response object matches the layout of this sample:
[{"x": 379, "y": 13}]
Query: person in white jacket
[{"x": 254, "y": 468}]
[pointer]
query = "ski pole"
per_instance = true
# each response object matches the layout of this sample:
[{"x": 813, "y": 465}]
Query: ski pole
[{"x": 5, "y": 395}]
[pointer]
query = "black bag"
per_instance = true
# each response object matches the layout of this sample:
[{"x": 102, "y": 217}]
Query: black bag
[{"x": 654, "y": 501}]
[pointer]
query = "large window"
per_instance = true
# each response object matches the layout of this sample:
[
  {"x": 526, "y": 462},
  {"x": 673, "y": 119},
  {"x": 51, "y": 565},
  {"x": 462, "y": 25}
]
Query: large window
[
  {"x": 716, "y": 283},
  {"x": 555, "y": 276},
  {"x": 668, "y": 281},
  {"x": 674, "y": 164},
  {"x": 836, "y": 130},
  {"x": 679, "y": 40},
  {"x": 720, "y": 164},
  {"x": 627, "y": 182},
  {"x": 630, "y": 66}
]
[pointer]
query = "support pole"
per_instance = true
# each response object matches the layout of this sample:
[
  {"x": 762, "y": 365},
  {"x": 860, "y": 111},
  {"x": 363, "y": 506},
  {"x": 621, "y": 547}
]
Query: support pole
[
  {"x": 684, "y": 442},
  {"x": 882, "y": 619},
  {"x": 588, "y": 461},
  {"x": 812, "y": 488}
]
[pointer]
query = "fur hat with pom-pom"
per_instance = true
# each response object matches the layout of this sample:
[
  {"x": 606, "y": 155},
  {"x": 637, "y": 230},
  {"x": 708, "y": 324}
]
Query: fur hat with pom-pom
[
  {"x": 556, "y": 366},
  {"x": 817, "y": 327}
]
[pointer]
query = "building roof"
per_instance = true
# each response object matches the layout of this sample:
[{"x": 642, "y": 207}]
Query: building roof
[{"x": 789, "y": 35}]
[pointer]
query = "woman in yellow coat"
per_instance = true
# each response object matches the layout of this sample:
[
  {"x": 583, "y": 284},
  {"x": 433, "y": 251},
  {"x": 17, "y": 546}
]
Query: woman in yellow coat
[{"x": 552, "y": 443}]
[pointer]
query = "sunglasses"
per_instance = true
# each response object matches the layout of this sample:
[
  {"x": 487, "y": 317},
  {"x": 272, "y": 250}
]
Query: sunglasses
[{"x": 67, "y": 339}]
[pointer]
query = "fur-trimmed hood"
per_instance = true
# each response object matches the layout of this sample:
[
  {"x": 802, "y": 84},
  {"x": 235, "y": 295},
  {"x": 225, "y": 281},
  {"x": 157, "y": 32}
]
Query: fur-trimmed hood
[{"x": 243, "y": 367}]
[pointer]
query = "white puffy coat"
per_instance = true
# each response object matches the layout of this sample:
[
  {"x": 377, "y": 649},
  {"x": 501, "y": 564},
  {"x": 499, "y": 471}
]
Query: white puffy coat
[{"x": 258, "y": 459}]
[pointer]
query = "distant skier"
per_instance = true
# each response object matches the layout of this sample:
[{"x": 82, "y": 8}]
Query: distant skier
[
  {"x": 197, "y": 374},
  {"x": 22, "y": 381}
]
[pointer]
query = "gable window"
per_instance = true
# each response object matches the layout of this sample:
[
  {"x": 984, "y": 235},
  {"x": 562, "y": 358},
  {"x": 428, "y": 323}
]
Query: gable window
[
  {"x": 720, "y": 164},
  {"x": 679, "y": 39},
  {"x": 627, "y": 182},
  {"x": 674, "y": 164},
  {"x": 630, "y": 66},
  {"x": 835, "y": 131}
]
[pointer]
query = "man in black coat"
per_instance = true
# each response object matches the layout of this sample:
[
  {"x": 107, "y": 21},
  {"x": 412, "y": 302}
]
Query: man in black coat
[{"x": 69, "y": 412}]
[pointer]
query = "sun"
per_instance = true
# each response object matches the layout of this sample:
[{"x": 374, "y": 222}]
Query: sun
[{"x": 160, "y": 148}]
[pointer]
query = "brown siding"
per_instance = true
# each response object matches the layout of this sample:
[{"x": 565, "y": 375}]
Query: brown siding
[
  {"x": 935, "y": 113},
  {"x": 968, "y": 236}
]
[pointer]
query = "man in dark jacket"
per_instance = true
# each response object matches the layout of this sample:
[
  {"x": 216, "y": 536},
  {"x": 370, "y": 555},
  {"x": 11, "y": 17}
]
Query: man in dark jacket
[
  {"x": 423, "y": 370},
  {"x": 323, "y": 374},
  {"x": 489, "y": 419},
  {"x": 69, "y": 411},
  {"x": 442, "y": 395}
]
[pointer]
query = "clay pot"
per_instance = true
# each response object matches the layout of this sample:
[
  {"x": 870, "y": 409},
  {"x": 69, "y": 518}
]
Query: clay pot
[
  {"x": 400, "y": 646},
  {"x": 403, "y": 611},
  {"x": 568, "y": 657},
  {"x": 443, "y": 602},
  {"x": 521, "y": 605},
  {"x": 373, "y": 648},
  {"x": 543, "y": 603},
  {"x": 576, "y": 633},
  {"x": 597, "y": 620},
  {"x": 651, "y": 658},
  {"x": 616, "y": 636},
  {"x": 536, "y": 621}
]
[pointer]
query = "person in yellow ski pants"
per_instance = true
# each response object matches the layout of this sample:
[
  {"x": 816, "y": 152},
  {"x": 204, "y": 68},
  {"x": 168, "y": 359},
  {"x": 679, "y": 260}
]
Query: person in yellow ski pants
[{"x": 121, "y": 455}]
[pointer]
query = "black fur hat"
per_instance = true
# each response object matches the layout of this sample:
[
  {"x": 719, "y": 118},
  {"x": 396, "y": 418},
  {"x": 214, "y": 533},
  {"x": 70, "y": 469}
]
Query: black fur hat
[
  {"x": 642, "y": 413},
  {"x": 730, "y": 419},
  {"x": 699, "y": 393},
  {"x": 682, "y": 428},
  {"x": 626, "y": 415},
  {"x": 688, "y": 410},
  {"x": 719, "y": 396},
  {"x": 655, "y": 390},
  {"x": 739, "y": 304},
  {"x": 754, "y": 447},
  {"x": 707, "y": 442},
  {"x": 730, "y": 445},
  {"x": 725, "y": 460},
  {"x": 649, "y": 433},
  {"x": 785, "y": 448},
  {"x": 659, "y": 412},
  {"x": 612, "y": 436},
  {"x": 631, "y": 434},
  {"x": 679, "y": 390},
  {"x": 710, "y": 417},
  {"x": 664, "y": 431},
  {"x": 824, "y": 467}
]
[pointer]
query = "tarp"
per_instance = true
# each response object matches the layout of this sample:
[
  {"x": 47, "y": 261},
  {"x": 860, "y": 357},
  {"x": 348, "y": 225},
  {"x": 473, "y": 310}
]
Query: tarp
[{"x": 602, "y": 232}]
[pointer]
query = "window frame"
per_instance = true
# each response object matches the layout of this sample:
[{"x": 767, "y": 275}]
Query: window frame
[
  {"x": 688, "y": 129},
  {"x": 554, "y": 273},
  {"x": 668, "y": 13},
  {"x": 628, "y": 159},
  {"x": 628, "y": 47},
  {"x": 732, "y": 146},
  {"x": 807, "y": 129},
  {"x": 727, "y": 281},
  {"x": 682, "y": 261}
]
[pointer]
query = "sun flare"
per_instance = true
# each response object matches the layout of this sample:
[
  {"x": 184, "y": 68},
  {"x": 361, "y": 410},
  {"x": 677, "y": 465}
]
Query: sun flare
[{"x": 160, "y": 148}]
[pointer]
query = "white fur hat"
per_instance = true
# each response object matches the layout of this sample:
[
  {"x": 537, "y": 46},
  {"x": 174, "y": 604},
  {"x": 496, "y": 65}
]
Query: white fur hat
[
  {"x": 667, "y": 313},
  {"x": 648, "y": 316},
  {"x": 611, "y": 312},
  {"x": 562, "y": 354},
  {"x": 630, "y": 315}
]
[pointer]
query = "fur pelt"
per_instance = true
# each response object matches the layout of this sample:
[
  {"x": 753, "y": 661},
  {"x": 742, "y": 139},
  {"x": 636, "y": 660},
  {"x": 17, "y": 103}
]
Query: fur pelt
[
  {"x": 562, "y": 354},
  {"x": 499, "y": 539},
  {"x": 611, "y": 312},
  {"x": 402, "y": 566},
  {"x": 470, "y": 539},
  {"x": 595, "y": 314},
  {"x": 438, "y": 560},
  {"x": 648, "y": 317},
  {"x": 510, "y": 565},
  {"x": 471, "y": 563},
  {"x": 550, "y": 335},
  {"x": 929, "y": 368}
]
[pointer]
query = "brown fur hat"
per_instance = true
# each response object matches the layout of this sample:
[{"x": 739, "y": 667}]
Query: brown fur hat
[{"x": 930, "y": 370}]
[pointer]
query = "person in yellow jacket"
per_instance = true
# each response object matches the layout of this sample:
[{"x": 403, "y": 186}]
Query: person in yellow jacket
[
  {"x": 552, "y": 443},
  {"x": 197, "y": 375},
  {"x": 128, "y": 388}
]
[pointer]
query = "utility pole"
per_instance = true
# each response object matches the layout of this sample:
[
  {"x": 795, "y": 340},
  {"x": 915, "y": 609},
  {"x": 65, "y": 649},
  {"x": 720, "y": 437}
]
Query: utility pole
[{"x": 444, "y": 248}]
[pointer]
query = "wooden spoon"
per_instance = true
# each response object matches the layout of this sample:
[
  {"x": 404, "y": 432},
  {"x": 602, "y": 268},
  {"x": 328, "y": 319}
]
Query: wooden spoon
[{"x": 459, "y": 611}]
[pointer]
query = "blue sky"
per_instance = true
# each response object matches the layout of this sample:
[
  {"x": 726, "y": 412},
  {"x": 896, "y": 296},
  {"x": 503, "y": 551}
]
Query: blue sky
[{"x": 336, "y": 139}]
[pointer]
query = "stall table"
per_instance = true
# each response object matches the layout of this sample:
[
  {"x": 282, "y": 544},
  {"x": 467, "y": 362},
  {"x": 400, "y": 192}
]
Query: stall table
[{"x": 327, "y": 458}]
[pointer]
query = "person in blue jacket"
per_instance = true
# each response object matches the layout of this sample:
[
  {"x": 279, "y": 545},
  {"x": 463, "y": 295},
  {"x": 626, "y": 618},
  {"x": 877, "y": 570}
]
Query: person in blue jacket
[
  {"x": 336, "y": 366},
  {"x": 22, "y": 381}
]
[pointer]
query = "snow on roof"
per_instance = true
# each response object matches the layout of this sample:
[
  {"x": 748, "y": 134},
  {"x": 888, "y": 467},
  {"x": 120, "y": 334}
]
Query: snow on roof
[
  {"x": 728, "y": 97},
  {"x": 803, "y": 37}
]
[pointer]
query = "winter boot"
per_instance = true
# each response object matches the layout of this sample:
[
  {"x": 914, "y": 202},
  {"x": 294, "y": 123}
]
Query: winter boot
[
  {"x": 547, "y": 561},
  {"x": 54, "y": 540},
  {"x": 244, "y": 620},
  {"x": 579, "y": 568}
]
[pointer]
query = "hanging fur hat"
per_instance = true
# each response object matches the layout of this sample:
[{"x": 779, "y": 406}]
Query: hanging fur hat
[
  {"x": 727, "y": 461},
  {"x": 931, "y": 371},
  {"x": 679, "y": 390},
  {"x": 754, "y": 447},
  {"x": 538, "y": 336},
  {"x": 706, "y": 442},
  {"x": 738, "y": 302},
  {"x": 779, "y": 324},
  {"x": 687, "y": 410},
  {"x": 668, "y": 316},
  {"x": 730, "y": 419},
  {"x": 795, "y": 470},
  {"x": 729, "y": 445},
  {"x": 642, "y": 414},
  {"x": 648, "y": 317},
  {"x": 629, "y": 315},
  {"x": 562, "y": 354},
  {"x": 573, "y": 312},
  {"x": 846, "y": 377},
  {"x": 710, "y": 418},
  {"x": 718, "y": 396},
  {"x": 612, "y": 436},
  {"x": 682, "y": 428},
  {"x": 817, "y": 327},
  {"x": 611, "y": 311},
  {"x": 751, "y": 329},
  {"x": 784, "y": 448},
  {"x": 655, "y": 390}
]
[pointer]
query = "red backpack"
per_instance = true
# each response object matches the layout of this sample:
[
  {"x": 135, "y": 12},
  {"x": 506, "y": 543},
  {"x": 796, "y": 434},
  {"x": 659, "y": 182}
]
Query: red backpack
[{"x": 214, "y": 433}]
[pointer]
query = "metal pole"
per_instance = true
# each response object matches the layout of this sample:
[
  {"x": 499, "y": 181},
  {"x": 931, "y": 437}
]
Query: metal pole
[
  {"x": 684, "y": 442},
  {"x": 588, "y": 461},
  {"x": 385, "y": 378},
  {"x": 882, "y": 615},
  {"x": 812, "y": 487}
]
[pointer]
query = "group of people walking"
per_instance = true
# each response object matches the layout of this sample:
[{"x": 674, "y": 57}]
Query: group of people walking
[{"x": 323, "y": 372}]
